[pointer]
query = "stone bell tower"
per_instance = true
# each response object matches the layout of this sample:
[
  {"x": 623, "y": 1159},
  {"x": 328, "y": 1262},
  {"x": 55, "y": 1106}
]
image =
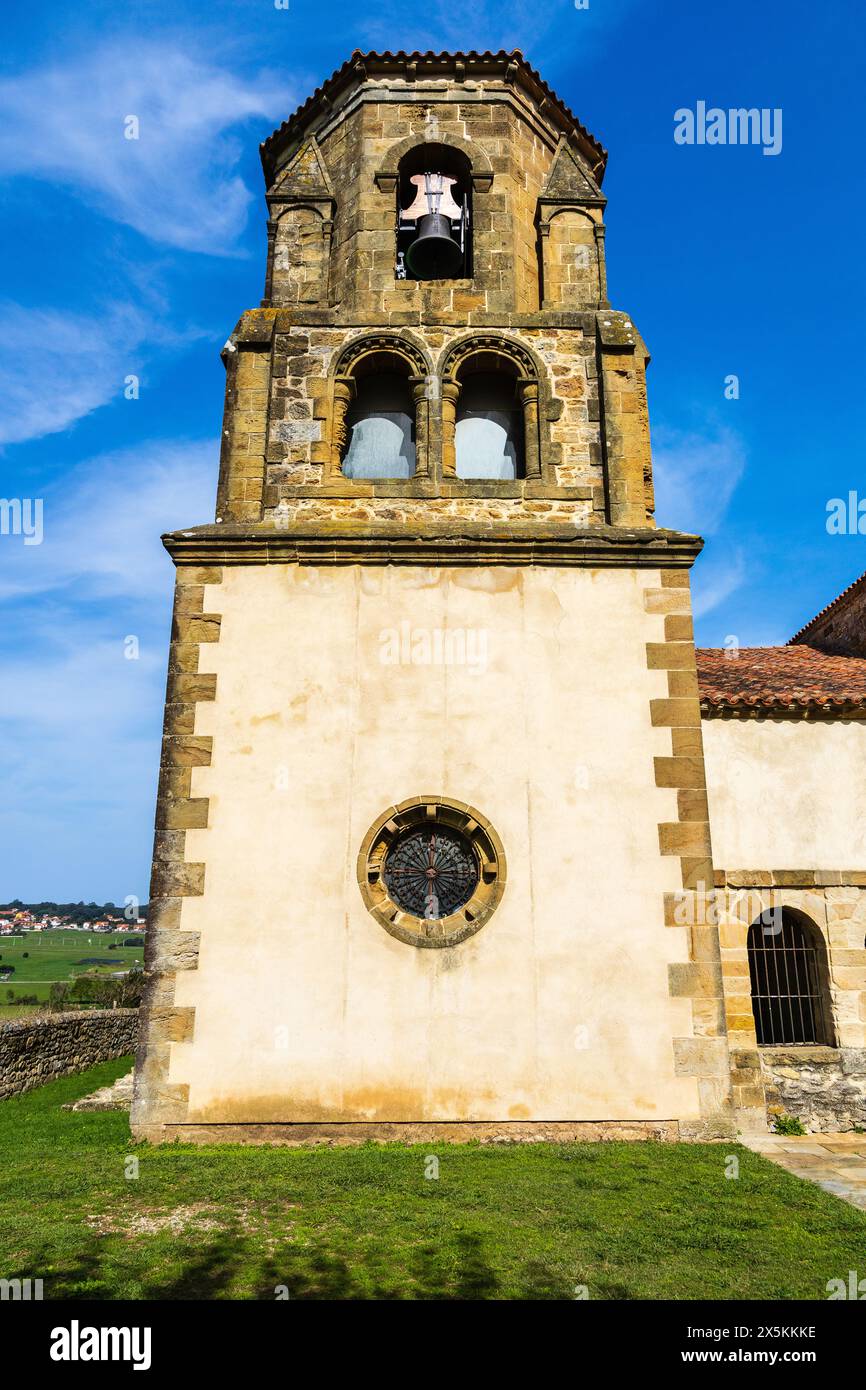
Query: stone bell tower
[{"x": 432, "y": 846}]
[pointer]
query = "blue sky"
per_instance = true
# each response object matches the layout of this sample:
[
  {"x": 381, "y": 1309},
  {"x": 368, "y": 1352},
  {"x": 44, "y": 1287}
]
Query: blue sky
[{"x": 137, "y": 257}]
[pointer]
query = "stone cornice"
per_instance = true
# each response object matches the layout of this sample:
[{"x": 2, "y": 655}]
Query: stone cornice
[
  {"x": 458, "y": 543},
  {"x": 790, "y": 878},
  {"x": 405, "y": 72},
  {"x": 256, "y": 327}
]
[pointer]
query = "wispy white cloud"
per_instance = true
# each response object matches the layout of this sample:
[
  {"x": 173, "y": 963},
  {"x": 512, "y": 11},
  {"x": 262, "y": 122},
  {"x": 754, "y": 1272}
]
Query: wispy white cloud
[
  {"x": 79, "y": 720},
  {"x": 716, "y": 576},
  {"x": 59, "y": 366},
  {"x": 102, "y": 524},
  {"x": 696, "y": 475},
  {"x": 178, "y": 182}
]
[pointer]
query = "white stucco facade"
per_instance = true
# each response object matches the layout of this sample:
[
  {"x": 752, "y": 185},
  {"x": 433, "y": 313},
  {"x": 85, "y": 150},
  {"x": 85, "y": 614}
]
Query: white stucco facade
[
  {"x": 306, "y": 1009},
  {"x": 786, "y": 794}
]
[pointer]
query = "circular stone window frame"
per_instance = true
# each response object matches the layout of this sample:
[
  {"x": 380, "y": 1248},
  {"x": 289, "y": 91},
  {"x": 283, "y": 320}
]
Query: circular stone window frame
[{"x": 412, "y": 814}]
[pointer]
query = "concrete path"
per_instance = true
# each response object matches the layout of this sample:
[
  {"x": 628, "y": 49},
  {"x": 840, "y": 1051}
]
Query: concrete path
[{"x": 836, "y": 1162}]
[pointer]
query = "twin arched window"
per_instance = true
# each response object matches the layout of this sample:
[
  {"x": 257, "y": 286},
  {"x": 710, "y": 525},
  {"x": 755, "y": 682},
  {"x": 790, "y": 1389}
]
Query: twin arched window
[{"x": 384, "y": 400}]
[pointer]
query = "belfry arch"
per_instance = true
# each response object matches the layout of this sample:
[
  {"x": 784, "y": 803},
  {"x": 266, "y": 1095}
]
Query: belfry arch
[
  {"x": 380, "y": 422},
  {"x": 505, "y": 366}
]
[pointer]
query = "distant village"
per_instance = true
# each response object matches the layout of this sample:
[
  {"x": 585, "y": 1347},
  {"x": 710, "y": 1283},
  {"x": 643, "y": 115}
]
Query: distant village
[{"x": 18, "y": 917}]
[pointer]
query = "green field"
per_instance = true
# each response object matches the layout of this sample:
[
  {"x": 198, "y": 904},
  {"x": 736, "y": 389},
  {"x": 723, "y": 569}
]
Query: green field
[
  {"x": 625, "y": 1221},
  {"x": 40, "y": 958}
]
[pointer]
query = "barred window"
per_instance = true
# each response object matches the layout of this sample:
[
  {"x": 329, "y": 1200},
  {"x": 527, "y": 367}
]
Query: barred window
[{"x": 789, "y": 980}]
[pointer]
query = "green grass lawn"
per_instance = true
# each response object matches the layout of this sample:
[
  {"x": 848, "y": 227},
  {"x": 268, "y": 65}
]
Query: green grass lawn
[
  {"x": 535, "y": 1221},
  {"x": 56, "y": 955}
]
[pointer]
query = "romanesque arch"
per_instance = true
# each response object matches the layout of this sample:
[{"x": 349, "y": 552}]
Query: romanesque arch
[
  {"x": 479, "y": 366},
  {"x": 380, "y": 425},
  {"x": 790, "y": 979}
]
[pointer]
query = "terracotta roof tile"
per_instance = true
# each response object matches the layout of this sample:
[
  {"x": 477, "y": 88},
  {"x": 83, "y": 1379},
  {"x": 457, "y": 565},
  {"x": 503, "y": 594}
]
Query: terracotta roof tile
[{"x": 798, "y": 677}]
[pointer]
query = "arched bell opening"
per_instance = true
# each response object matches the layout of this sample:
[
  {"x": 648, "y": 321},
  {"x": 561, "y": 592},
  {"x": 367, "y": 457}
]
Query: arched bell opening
[
  {"x": 488, "y": 428},
  {"x": 379, "y": 431},
  {"x": 434, "y": 195},
  {"x": 490, "y": 417}
]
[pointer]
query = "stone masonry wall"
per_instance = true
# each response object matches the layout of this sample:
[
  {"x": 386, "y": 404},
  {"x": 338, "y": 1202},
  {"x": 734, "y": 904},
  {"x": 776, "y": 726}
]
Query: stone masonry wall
[
  {"x": 299, "y": 430},
  {"x": 33, "y": 1051},
  {"x": 510, "y": 150},
  {"x": 300, "y": 269},
  {"x": 824, "y": 1087},
  {"x": 571, "y": 261},
  {"x": 818, "y": 1084},
  {"x": 842, "y": 628},
  {"x": 281, "y": 461}
]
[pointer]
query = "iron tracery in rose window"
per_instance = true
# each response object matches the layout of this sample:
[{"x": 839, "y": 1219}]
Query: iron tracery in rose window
[{"x": 431, "y": 871}]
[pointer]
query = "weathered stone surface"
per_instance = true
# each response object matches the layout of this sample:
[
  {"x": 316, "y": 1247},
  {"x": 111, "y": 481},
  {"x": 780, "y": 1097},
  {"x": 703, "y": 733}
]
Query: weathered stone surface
[
  {"x": 707, "y": 1057},
  {"x": 824, "y": 1087},
  {"x": 118, "y": 1096},
  {"x": 33, "y": 1051},
  {"x": 454, "y": 1132}
]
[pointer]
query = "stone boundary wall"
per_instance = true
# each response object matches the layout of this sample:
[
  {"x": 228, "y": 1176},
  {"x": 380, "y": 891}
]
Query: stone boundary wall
[
  {"x": 825, "y": 1087},
  {"x": 33, "y": 1051}
]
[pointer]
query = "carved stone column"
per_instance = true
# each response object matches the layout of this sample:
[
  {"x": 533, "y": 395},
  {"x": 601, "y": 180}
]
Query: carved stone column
[
  {"x": 269, "y": 266},
  {"x": 544, "y": 244},
  {"x": 600, "y": 231},
  {"x": 327, "y": 235},
  {"x": 531, "y": 445},
  {"x": 344, "y": 394},
  {"x": 422, "y": 426},
  {"x": 450, "y": 397}
]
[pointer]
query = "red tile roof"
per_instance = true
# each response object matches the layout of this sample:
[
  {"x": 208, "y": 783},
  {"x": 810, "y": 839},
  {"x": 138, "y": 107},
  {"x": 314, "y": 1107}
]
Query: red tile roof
[
  {"x": 798, "y": 678},
  {"x": 422, "y": 64}
]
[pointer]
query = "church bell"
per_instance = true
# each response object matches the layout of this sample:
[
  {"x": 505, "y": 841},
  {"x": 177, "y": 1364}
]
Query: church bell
[
  {"x": 439, "y": 222},
  {"x": 434, "y": 254}
]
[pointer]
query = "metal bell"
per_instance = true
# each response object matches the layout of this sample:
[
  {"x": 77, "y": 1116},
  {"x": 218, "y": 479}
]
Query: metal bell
[{"x": 434, "y": 254}]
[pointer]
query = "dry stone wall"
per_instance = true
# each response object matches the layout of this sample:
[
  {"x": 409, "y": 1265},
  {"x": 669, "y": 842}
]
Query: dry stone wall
[{"x": 33, "y": 1051}]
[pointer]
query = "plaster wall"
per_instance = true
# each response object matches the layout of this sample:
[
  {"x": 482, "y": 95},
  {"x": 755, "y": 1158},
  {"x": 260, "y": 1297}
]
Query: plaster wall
[
  {"x": 330, "y": 706},
  {"x": 786, "y": 794}
]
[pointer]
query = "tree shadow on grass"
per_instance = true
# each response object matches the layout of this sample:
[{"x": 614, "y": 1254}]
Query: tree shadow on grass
[
  {"x": 83, "y": 1275},
  {"x": 462, "y": 1271},
  {"x": 231, "y": 1266}
]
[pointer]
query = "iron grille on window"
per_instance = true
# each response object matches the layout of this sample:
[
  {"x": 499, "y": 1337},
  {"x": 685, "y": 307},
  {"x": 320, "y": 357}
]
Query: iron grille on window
[
  {"x": 788, "y": 994},
  {"x": 431, "y": 871}
]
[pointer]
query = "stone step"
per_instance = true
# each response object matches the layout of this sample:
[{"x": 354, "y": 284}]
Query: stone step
[{"x": 115, "y": 1097}]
